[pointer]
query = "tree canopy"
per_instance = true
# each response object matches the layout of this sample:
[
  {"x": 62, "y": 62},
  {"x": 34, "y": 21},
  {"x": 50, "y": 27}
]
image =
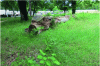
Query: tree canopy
[{"x": 10, "y": 5}]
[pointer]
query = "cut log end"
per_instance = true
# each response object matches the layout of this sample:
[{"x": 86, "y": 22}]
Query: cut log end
[{"x": 31, "y": 27}]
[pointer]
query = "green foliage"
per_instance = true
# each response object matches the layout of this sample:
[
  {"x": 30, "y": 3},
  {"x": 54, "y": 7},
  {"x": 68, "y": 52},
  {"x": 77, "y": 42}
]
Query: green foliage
[
  {"x": 62, "y": 5},
  {"x": 44, "y": 9},
  {"x": 35, "y": 31},
  {"x": 5, "y": 4},
  {"x": 37, "y": 5},
  {"x": 55, "y": 8},
  {"x": 45, "y": 59},
  {"x": 27, "y": 61},
  {"x": 27, "y": 5},
  {"x": 42, "y": 52},
  {"x": 39, "y": 57},
  {"x": 48, "y": 14},
  {"x": 51, "y": 6},
  {"x": 10, "y": 5},
  {"x": 87, "y": 5},
  {"x": 53, "y": 23}
]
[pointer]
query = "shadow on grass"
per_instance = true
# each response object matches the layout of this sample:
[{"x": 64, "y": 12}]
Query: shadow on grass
[{"x": 14, "y": 21}]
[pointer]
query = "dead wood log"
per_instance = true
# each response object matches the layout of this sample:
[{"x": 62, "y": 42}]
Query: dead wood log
[{"x": 44, "y": 22}]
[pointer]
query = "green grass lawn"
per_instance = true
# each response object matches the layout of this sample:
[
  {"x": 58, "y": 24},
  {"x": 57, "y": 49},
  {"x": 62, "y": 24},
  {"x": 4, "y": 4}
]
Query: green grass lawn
[
  {"x": 6, "y": 18},
  {"x": 75, "y": 43}
]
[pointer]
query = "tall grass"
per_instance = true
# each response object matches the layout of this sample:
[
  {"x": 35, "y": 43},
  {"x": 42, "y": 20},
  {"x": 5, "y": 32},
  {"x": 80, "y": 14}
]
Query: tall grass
[{"x": 75, "y": 42}]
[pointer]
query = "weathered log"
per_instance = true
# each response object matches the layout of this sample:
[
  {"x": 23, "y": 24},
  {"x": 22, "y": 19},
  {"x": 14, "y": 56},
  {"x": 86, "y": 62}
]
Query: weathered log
[{"x": 40, "y": 21}]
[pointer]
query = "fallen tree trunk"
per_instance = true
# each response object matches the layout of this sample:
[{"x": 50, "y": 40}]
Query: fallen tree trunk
[{"x": 45, "y": 22}]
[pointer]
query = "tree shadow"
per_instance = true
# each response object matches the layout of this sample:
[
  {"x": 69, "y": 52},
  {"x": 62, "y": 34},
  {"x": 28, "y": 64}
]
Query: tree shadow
[{"x": 14, "y": 21}]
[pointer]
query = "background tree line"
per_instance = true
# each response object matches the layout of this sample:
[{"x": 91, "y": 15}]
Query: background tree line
[{"x": 34, "y": 6}]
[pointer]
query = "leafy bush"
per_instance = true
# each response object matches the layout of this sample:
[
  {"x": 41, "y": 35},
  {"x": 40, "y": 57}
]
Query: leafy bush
[
  {"x": 46, "y": 60},
  {"x": 55, "y": 8}
]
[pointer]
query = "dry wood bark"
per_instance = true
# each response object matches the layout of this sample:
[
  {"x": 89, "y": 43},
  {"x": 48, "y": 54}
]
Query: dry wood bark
[{"x": 44, "y": 22}]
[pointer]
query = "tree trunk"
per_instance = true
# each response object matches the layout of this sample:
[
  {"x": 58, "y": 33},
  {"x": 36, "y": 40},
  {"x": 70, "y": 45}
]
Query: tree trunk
[
  {"x": 14, "y": 13},
  {"x": 34, "y": 11},
  {"x": 23, "y": 11},
  {"x": 64, "y": 7},
  {"x": 22, "y": 16},
  {"x": 73, "y": 7},
  {"x": 30, "y": 7},
  {"x": 5, "y": 11},
  {"x": 35, "y": 4}
]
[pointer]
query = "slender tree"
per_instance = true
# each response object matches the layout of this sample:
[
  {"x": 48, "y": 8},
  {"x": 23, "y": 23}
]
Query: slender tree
[
  {"x": 35, "y": 6},
  {"x": 11, "y": 5},
  {"x": 30, "y": 7},
  {"x": 5, "y": 5},
  {"x": 64, "y": 7},
  {"x": 38, "y": 5}
]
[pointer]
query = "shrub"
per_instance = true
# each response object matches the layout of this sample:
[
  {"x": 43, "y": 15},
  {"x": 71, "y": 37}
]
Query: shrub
[{"x": 47, "y": 60}]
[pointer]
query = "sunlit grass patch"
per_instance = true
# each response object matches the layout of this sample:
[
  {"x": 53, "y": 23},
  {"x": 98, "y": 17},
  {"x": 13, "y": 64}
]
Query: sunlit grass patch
[{"x": 74, "y": 42}]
